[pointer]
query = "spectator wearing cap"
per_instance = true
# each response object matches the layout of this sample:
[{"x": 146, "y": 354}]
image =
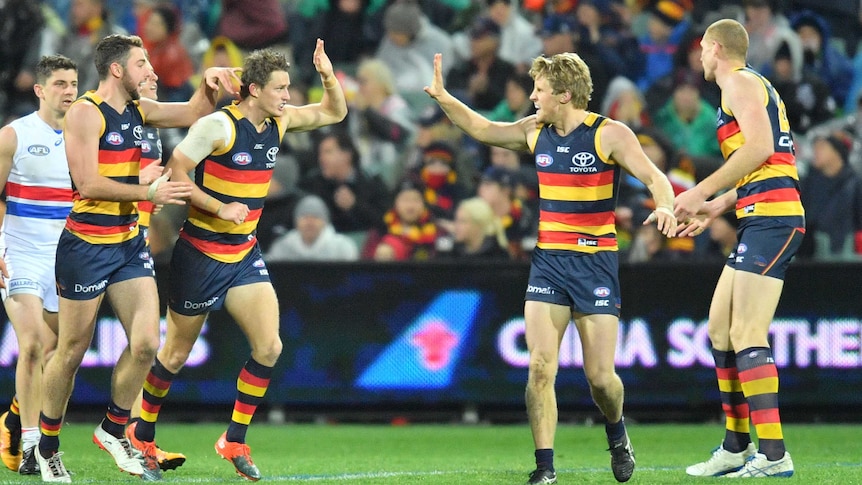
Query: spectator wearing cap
[
  {"x": 481, "y": 81},
  {"x": 313, "y": 237},
  {"x": 832, "y": 196},
  {"x": 667, "y": 26},
  {"x": 806, "y": 97},
  {"x": 687, "y": 119},
  {"x": 411, "y": 232},
  {"x": 442, "y": 185},
  {"x": 410, "y": 40},
  {"x": 820, "y": 57},
  {"x": 560, "y": 34},
  {"x": 767, "y": 30},
  {"x": 497, "y": 187}
]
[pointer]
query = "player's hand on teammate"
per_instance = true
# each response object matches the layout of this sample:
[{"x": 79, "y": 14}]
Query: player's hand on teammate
[
  {"x": 226, "y": 78},
  {"x": 235, "y": 212},
  {"x": 436, "y": 88},
  {"x": 696, "y": 224},
  {"x": 150, "y": 173},
  {"x": 162, "y": 191},
  {"x": 689, "y": 203}
]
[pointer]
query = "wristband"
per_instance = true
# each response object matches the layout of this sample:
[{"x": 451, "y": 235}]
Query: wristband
[
  {"x": 151, "y": 192},
  {"x": 665, "y": 210}
]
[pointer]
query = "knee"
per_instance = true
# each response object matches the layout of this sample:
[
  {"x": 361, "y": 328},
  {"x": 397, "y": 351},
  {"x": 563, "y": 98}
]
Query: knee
[
  {"x": 269, "y": 353},
  {"x": 543, "y": 372},
  {"x": 600, "y": 379},
  {"x": 30, "y": 352},
  {"x": 144, "y": 349}
]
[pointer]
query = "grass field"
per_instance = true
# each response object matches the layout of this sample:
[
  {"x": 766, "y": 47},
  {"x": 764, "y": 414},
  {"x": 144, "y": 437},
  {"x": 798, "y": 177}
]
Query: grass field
[{"x": 454, "y": 454}]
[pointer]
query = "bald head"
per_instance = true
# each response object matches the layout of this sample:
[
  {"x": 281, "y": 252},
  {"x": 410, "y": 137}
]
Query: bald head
[{"x": 731, "y": 36}]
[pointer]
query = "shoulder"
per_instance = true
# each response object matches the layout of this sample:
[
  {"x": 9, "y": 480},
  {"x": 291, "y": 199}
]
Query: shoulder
[{"x": 8, "y": 140}]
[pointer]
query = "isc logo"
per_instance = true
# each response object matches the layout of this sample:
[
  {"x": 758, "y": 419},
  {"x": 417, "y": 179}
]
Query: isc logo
[{"x": 602, "y": 303}]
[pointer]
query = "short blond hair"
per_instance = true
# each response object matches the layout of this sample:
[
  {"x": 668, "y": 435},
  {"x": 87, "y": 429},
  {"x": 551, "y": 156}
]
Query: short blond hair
[
  {"x": 731, "y": 35},
  {"x": 565, "y": 72}
]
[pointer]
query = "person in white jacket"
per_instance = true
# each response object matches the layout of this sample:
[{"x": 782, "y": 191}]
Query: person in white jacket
[{"x": 313, "y": 238}]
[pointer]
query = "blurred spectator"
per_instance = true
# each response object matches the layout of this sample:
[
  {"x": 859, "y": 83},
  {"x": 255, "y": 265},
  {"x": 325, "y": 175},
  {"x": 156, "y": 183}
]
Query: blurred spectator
[
  {"x": 356, "y": 201},
  {"x": 666, "y": 28},
  {"x": 89, "y": 23},
  {"x": 820, "y": 56},
  {"x": 832, "y": 196},
  {"x": 253, "y": 26},
  {"x": 380, "y": 122},
  {"x": 686, "y": 64},
  {"x": 850, "y": 123},
  {"x": 442, "y": 187},
  {"x": 222, "y": 52},
  {"x": 767, "y": 29},
  {"x": 519, "y": 43},
  {"x": 648, "y": 245},
  {"x": 722, "y": 235},
  {"x": 434, "y": 126},
  {"x": 477, "y": 233},
  {"x": 161, "y": 31},
  {"x": 806, "y": 97},
  {"x": 497, "y": 187},
  {"x": 313, "y": 238},
  {"x": 347, "y": 27},
  {"x": 526, "y": 179},
  {"x": 560, "y": 34},
  {"x": 599, "y": 26},
  {"x": 21, "y": 24},
  {"x": 687, "y": 119},
  {"x": 481, "y": 81},
  {"x": 409, "y": 45},
  {"x": 625, "y": 103},
  {"x": 517, "y": 103},
  {"x": 411, "y": 233}
]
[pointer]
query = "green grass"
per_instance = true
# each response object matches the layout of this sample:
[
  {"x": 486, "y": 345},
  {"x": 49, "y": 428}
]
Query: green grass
[{"x": 453, "y": 454}]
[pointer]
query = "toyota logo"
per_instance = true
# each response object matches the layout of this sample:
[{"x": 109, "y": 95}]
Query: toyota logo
[{"x": 583, "y": 159}]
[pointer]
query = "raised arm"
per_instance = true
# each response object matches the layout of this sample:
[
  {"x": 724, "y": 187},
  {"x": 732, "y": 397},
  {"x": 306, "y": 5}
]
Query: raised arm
[
  {"x": 202, "y": 102},
  {"x": 507, "y": 135},
  {"x": 331, "y": 109}
]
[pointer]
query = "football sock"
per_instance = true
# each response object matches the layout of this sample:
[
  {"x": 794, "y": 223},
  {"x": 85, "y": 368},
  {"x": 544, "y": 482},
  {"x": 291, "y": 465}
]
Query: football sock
[
  {"x": 250, "y": 386},
  {"x": 114, "y": 422},
  {"x": 156, "y": 388},
  {"x": 733, "y": 403},
  {"x": 545, "y": 459},
  {"x": 615, "y": 431},
  {"x": 13, "y": 419},
  {"x": 29, "y": 437},
  {"x": 759, "y": 378},
  {"x": 49, "y": 443}
]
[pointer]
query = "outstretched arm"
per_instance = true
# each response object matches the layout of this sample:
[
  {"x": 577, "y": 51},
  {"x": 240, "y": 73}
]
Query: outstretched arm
[
  {"x": 202, "y": 102},
  {"x": 331, "y": 109},
  {"x": 507, "y": 135}
]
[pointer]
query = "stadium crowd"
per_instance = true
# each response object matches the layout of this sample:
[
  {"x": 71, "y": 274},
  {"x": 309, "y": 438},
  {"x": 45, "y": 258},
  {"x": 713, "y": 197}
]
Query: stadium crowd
[{"x": 397, "y": 181}]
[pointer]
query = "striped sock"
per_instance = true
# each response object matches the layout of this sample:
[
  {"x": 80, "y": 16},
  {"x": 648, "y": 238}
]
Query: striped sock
[
  {"x": 13, "y": 419},
  {"x": 114, "y": 422},
  {"x": 250, "y": 386},
  {"x": 737, "y": 433},
  {"x": 759, "y": 378},
  {"x": 49, "y": 443},
  {"x": 156, "y": 388}
]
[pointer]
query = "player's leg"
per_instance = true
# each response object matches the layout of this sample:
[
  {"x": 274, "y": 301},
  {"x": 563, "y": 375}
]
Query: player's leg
[
  {"x": 34, "y": 339},
  {"x": 598, "y": 334},
  {"x": 254, "y": 307},
  {"x": 546, "y": 324}
]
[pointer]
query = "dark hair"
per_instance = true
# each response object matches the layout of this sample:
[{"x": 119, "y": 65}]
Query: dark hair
[
  {"x": 114, "y": 48},
  {"x": 170, "y": 16},
  {"x": 259, "y": 66},
  {"x": 48, "y": 64},
  {"x": 344, "y": 142}
]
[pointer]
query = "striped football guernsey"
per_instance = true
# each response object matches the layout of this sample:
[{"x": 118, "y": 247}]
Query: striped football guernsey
[
  {"x": 772, "y": 189},
  {"x": 577, "y": 189},
  {"x": 106, "y": 222},
  {"x": 151, "y": 152},
  {"x": 240, "y": 172}
]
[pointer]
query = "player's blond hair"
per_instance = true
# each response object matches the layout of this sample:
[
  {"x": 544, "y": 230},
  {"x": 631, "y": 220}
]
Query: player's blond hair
[
  {"x": 565, "y": 72},
  {"x": 731, "y": 35}
]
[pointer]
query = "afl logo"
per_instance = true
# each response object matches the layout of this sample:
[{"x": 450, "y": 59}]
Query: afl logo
[
  {"x": 145, "y": 146},
  {"x": 114, "y": 138},
  {"x": 271, "y": 153},
  {"x": 138, "y": 131},
  {"x": 602, "y": 292},
  {"x": 741, "y": 248},
  {"x": 38, "y": 150},
  {"x": 583, "y": 159},
  {"x": 258, "y": 263},
  {"x": 544, "y": 160},
  {"x": 241, "y": 158}
]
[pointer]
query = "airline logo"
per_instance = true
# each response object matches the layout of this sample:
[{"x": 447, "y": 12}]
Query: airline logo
[{"x": 426, "y": 353}]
